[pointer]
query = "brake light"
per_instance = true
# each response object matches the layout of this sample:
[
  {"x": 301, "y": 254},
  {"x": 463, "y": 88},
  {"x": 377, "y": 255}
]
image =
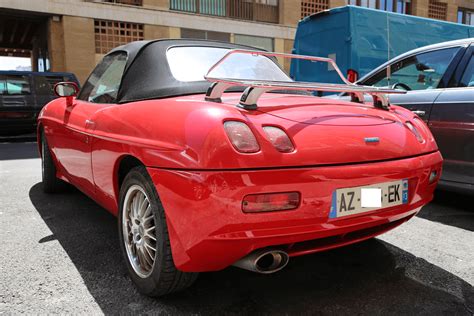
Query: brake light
[
  {"x": 415, "y": 131},
  {"x": 279, "y": 139},
  {"x": 268, "y": 202},
  {"x": 241, "y": 137},
  {"x": 352, "y": 75}
]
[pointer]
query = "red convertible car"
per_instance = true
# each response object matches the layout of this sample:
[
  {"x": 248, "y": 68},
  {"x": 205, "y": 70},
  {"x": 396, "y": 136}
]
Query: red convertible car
[{"x": 210, "y": 156}]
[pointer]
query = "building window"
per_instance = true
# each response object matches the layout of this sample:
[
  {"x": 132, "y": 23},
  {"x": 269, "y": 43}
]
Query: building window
[
  {"x": 437, "y": 10},
  {"x": 208, "y": 7},
  {"x": 309, "y": 7},
  {"x": 255, "y": 41},
  {"x": 466, "y": 16},
  {"x": 207, "y": 35},
  {"x": 398, "y": 6},
  {"x": 110, "y": 34},
  {"x": 386, "y": 5},
  {"x": 254, "y": 10},
  {"x": 129, "y": 2},
  {"x": 403, "y": 7},
  {"x": 368, "y": 4}
]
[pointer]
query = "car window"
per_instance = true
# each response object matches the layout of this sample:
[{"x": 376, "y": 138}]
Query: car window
[
  {"x": 104, "y": 82},
  {"x": 3, "y": 85},
  {"x": 14, "y": 85},
  {"x": 44, "y": 84},
  {"x": 419, "y": 72},
  {"x": 468, "y": 76}
]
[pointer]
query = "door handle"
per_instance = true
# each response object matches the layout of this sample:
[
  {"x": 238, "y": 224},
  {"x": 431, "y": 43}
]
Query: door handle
[{"x": 419, "y": 112}]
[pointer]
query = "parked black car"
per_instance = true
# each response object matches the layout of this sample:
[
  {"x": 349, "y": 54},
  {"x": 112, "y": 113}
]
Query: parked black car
[
  {"x": 22, "y": 95},
  {"x": 439, "y": 80}
]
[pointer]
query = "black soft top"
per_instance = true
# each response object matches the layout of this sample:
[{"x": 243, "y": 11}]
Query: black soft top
[{"x": 147, "y": 74}]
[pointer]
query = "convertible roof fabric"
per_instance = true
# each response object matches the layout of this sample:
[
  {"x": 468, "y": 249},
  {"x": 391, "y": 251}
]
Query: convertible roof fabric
[{"x": 147, "y": 74}]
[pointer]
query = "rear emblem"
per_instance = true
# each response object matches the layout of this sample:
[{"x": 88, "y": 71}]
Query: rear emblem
[{"x": 371, "y": 139}]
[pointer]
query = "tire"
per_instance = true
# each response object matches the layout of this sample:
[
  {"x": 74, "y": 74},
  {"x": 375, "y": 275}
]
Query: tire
[
  {"x": 149, "y": 262},
  {"x": 51, "y": 184}
]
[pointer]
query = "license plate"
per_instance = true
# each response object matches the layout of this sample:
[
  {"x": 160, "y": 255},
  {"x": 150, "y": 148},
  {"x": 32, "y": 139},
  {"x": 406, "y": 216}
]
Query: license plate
[{"x": 349, "y": 201}]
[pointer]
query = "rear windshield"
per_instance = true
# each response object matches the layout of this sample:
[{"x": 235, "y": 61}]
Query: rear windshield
[
  {"x": 14, "y": 85},
  {"x": 192, "y": 63}
]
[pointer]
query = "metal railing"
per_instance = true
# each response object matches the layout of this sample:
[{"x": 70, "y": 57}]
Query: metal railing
[
  {"x": 253, "y": 10},
  {"x": 128, "y": 2}
]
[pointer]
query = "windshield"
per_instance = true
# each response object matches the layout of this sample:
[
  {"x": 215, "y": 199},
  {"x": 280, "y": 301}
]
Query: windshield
[{"x": 192, "y": 63}]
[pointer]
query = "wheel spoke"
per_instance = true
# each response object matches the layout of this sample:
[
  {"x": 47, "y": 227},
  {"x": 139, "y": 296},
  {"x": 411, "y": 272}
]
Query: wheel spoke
[
  {"x": 146, "y": 219},
  {"x": 139, "y": 257},
  {"x": 140, "y": 200},
  {"x": 150, "y": 236},
  {"x": 135, "y": 206},
  {"x": 144, "y": 261},
  {"x": 148, "y": 211},
  {"x": 131, "y": 209},
  {"x": 143, "y": 207},
  {"x": 148, "y": 257},
  {"x": 148, "y": 246}
]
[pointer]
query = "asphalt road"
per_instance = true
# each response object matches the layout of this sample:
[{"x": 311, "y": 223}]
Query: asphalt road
[{"x": 60, "y": 254}]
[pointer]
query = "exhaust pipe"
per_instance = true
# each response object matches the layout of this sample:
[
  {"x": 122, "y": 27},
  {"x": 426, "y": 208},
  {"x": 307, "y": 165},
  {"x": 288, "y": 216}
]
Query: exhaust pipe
[{"x": 264, "y": 261}]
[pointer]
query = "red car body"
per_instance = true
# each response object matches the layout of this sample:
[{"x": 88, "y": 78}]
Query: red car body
[{"x": 201, "y": 179}]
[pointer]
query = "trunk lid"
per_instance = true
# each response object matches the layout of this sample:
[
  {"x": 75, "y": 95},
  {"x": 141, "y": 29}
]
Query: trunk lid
[
  {"x": 327, "y": 112},
  {"x": 335, "y": 132}
]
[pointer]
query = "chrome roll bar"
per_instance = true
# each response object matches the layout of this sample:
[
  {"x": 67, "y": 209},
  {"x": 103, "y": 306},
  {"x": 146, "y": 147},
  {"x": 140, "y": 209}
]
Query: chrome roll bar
[{"x": 255, "y": 88}]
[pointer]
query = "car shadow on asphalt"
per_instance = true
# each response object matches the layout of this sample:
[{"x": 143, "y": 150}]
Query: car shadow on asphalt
[
  {"x": 371, "y": 277},
  {"x": 450, "y": 208}
]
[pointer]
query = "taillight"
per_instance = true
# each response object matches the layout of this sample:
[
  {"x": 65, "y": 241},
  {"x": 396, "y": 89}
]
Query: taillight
[
  {"x": 415, "y": 131},
  {"x": 422, "y": 127},
  {"x": 268, "y": 202},
  {"x": 352, "y": 75},
  {"x": 433, "y": 176},
  {"x": 241, "y": 137},
  {"x": 279, "y": 139}
]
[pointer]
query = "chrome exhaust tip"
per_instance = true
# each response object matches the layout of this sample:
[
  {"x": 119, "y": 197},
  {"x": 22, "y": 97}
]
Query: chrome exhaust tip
[{"x": 264, "y": 261}]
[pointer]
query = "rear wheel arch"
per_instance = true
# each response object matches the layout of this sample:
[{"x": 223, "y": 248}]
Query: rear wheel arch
[
  {"x": 167, "y": 278},
  {"x": 122, "y": 168},
  {"x": 158, "y": 274},
  {"x": 39, "y": 138},
  {"x": 51, "y": 183}
]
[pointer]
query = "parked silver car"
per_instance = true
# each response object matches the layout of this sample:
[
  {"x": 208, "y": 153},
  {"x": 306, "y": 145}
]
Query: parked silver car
[{"x": 439, "y": 80}]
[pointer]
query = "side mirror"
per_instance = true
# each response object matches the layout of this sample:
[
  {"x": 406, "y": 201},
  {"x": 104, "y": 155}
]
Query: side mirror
[{"x": 66, "y": 89}]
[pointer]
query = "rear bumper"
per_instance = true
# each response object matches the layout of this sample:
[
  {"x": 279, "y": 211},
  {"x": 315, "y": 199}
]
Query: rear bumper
[
  {"x": 17, "y": 121},
  {"x": 208, "y": 230}
]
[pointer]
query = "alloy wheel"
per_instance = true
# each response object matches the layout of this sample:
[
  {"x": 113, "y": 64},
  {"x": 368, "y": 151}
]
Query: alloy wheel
[{"x": 139, "y": 231}]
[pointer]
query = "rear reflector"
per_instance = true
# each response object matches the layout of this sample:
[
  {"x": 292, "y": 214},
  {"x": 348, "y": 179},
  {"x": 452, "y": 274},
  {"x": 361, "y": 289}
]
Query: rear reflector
[
  {"x": 241, "y": 137},
  {"x": 268, "y": 202}
]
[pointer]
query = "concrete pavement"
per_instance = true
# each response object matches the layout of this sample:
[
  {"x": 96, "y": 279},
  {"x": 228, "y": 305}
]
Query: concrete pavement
[{"x": 60, "y": 254}]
